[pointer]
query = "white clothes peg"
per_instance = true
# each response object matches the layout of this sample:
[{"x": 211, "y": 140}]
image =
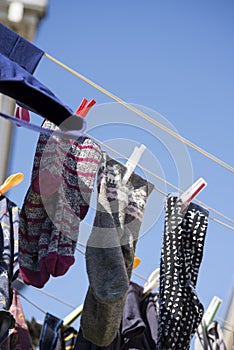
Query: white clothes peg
[
  {"x": 152, "y": 282},
  {"x": 192, "y": 192},
  {"x": 132, "y": 162},
  {"x": 212, "y": 310}
]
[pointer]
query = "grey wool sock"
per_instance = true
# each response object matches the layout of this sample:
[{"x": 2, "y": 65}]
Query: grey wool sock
[{"x": 110, "y": 250}]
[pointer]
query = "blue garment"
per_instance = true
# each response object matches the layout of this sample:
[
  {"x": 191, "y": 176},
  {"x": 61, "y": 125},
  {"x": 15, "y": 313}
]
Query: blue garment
[
  {"x": 19, "y": 50},
  {"x": 51, "y": 333},
  {"x": 9, "y": 223},
  {"x": 18, "y": 60}
]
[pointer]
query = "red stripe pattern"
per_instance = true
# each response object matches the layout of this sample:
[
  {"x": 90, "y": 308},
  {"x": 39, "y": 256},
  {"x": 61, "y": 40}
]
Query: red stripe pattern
[{"x": 57, "y": 200}]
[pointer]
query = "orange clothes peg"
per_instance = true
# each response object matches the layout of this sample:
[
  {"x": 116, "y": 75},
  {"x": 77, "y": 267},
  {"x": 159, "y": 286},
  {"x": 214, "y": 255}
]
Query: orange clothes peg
[
  {"x": 136, "y": 262},
  {"x": 10, "y": 182}
]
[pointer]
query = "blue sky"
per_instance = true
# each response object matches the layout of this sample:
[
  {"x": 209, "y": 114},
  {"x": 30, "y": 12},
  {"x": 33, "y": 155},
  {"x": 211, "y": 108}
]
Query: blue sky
[{"x": 173, "y": 60}]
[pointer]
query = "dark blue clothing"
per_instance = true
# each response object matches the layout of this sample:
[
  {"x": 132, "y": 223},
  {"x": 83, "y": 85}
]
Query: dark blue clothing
[
  {"x": 9, "y": 223},
  {"x": 138, "y": 329},
  {"x": 18, "y": 60},
  {"x": 50, "y": 334},
  {"x": 19, "y": 50},
  {"x": 30, "y": 93}
]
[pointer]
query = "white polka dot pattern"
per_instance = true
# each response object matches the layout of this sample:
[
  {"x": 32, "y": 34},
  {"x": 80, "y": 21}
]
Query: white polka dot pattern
[{"x": 180, "y": 310}]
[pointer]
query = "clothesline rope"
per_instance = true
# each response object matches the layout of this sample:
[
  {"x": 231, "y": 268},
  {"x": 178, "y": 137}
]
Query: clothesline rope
[
  {"x": 32, "y": 303},
  {"x": 143, "y": 115},
  {"x": 231, "y": 330},
  {"x": 171, "y": 185}
]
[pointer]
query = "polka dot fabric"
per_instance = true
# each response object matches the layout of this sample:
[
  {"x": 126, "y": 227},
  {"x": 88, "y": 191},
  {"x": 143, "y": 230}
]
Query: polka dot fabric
[{"x": 180, "y": 310}]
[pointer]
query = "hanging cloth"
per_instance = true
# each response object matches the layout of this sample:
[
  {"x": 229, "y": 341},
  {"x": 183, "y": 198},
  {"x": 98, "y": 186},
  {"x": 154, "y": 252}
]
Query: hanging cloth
[
  {"x": 20, "y": 338},
  {"x": 180, "y": 310},
  {"x": 9, "y": 223},
  {"x": 57, "y": 200},
  {"x": 51, "y": 333},
  {"x": 210, "y": 338},
  {"x": 138, "y": 329},
  {"x": 18, "y": 61},
  {"x": 110, "y": 249}
]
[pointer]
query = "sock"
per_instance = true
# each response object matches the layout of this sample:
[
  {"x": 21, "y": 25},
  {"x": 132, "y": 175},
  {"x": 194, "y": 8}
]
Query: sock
[
  {"x": 62, "y": 182},
  {"x": 110, "y": 251},
  {"x": 180, "y": 310}
]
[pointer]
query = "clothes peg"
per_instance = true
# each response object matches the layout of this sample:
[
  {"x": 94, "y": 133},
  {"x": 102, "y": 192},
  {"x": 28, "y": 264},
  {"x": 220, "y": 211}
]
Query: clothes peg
[
  {"x": 212, "y": 310},
  {"x": 22, "y": 114},
  {"x": 84, "y": 107},
  {"x": 136, "y": 262},
  {"x": 10, "y": 182},
  {"x": 73, "y": 315},
  {"x": 152, "y": 282},
  {"x": 132, "y": 162},
  {"x": 192, "y": 192}
]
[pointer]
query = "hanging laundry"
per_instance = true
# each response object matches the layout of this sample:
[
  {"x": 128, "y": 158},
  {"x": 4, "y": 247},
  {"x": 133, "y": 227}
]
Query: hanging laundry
[
  {"x": 51, "y": 333},
  {"x": 138, "y": 329},
  {"x": 58, "y": 199},
  {"x": 18, "y": 61},
  {"x": 9, "y": 222},
  {"x": 34, "y": 328},
  {"x": 210, "y": 338},
  {"x": 110, "y": 249},
  {"x": 20, "y": 338},
  {"x": 19, "y": 50},
  {"x": 68, "y": 338},
  {"x": 54, "y": 336},
  {"x": 180, "y": 310}
]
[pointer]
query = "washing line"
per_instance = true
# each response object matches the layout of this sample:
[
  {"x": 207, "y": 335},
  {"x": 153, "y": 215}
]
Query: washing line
[
  {"x": 142, "y": 115},
  {"x": 172, "y": 186},
  {"x": 67, "y": 135}
]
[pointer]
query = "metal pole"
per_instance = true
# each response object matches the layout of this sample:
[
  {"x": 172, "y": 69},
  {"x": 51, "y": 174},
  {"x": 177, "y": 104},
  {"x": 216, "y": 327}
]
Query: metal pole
[
  {"x": 32, "y": 11},
  {"x": 228, "y": 331},
  {"x": 7, "y": 105}
]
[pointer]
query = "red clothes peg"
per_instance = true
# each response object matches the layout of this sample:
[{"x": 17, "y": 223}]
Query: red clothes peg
[
  {"x": 192, "y": 192},
  {"x": 22, "y": 114},
  {"x": 84, "y": 107}
]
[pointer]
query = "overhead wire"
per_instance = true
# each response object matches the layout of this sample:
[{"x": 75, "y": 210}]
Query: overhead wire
[{"x": 142, "y": 114}]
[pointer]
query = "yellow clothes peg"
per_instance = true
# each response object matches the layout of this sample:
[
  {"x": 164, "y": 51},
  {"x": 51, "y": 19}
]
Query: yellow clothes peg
[
  {"x": 10, "y": 182},
  {"x": 73, "y": 316},
  {"x": 136, "y": 262}
]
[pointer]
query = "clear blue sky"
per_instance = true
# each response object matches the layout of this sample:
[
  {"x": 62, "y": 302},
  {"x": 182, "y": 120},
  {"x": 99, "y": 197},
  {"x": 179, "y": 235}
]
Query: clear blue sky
[{"x": 174, "y": 59}]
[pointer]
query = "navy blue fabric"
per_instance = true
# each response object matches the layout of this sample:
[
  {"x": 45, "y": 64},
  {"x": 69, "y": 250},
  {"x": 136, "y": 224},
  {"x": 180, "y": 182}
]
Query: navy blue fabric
[
  {"x": 9, "y": 221},
  {"x": 138, "y": 330},
  {"x": 19, "y": 50},
  {"x": 50, "y": 334},
  {"x": 30, "y": 93}
]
